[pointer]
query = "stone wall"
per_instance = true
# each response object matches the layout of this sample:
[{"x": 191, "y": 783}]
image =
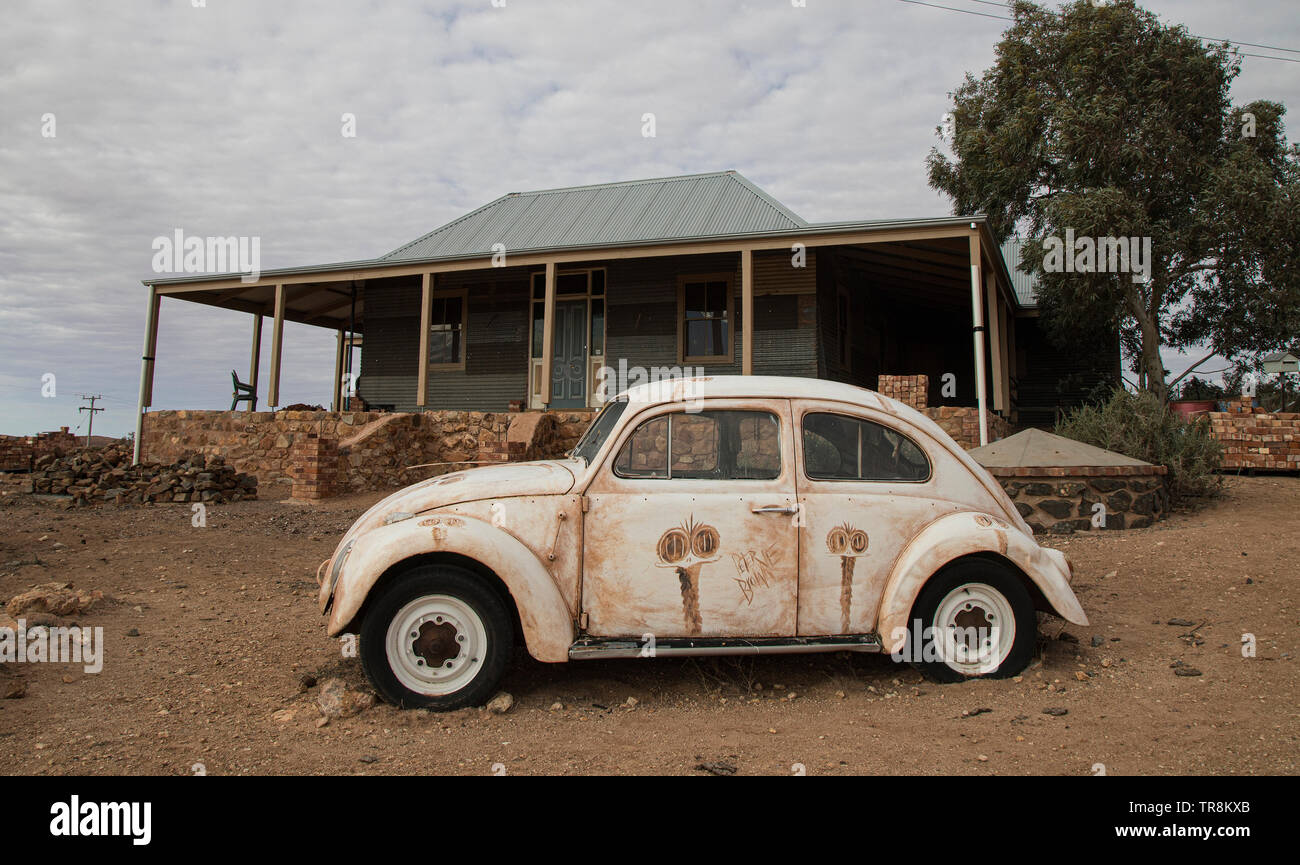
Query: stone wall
[
  {"x": 961, "y": 422},
  {"x": 1255, "y": 439},
  {"x": 375, "y": 450},
  {"x": 1063, "y": 500}
]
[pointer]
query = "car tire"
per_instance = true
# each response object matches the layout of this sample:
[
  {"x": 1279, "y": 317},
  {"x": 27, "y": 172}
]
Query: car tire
[
  {"x": 981, "y": 596},
  {"x": 436, "y": 638}
]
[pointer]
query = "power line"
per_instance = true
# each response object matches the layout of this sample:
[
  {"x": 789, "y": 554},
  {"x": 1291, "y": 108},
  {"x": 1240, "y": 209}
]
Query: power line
[
  {"x": 1002, "y": 4},
  {"x": 91, "y": 408},
  {"x": 1232, "y": 42},
  {"x": 955, "y": 9}
]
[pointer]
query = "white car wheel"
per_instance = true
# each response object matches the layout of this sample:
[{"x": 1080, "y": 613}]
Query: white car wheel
[
  {"x": 435, "y": 645},
  {"x": 975, "y": 629},
  {"x": 436, "y": 637},
  {"x": 973, "y": 618}
]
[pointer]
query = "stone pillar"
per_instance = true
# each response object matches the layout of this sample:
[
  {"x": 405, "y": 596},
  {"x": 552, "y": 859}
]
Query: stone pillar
[{"x": 314, "y": 464}]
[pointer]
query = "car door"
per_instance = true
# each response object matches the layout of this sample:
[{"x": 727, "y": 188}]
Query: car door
[
  {"x": 690, "y": 525},
  {"x": 866, "y": 487}
]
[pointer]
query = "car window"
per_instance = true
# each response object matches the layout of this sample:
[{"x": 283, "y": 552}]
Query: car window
[
  {"x": 716, "y": 445},
  {"x": 841, "y": 448},
  {"x": 601, "y": 427}
]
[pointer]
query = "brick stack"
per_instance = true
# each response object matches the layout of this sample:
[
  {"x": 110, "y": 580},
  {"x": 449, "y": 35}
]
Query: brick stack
[
  {"x": 15, "y": 454},
  {"x": 962, "y": 422},
  {"x": 18, "y": 453},
  {"x": 1254, "y": 439},
  {"x": 913, "y": 390},
  {"x": 314, "y": 466},
  {"x": 500, "y": 450}
]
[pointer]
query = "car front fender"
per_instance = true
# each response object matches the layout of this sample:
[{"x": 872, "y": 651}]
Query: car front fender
[
  {"x": 956, "y": 535},
  {"x": 547, "y": 625}
]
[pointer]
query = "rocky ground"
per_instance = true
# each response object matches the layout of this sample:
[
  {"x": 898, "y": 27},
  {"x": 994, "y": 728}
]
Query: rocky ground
[{"x": 217, "y": 662}]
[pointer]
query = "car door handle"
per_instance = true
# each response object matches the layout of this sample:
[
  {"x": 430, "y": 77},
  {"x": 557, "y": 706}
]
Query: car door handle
[{"x": 775, "y": 509}]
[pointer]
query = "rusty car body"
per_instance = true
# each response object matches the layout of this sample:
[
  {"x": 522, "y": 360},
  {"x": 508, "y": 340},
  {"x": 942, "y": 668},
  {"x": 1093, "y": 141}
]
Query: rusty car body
[{"x": 707, "y": 516}]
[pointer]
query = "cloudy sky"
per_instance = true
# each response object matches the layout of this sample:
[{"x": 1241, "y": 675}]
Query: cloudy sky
[{"x": 225, "y": 120}]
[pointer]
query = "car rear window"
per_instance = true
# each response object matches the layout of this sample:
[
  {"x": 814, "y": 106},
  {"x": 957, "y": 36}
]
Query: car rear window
[{"x": 841, "y": 448}]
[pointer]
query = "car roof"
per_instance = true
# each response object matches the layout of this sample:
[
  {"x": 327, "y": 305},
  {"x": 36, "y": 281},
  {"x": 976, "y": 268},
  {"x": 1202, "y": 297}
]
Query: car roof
[
  {"x": 789, "y": 387},
  {"x": 754, "y": 386}
]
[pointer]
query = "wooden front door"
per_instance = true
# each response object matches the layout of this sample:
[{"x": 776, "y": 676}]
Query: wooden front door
[{"x": 569, "y": 367}]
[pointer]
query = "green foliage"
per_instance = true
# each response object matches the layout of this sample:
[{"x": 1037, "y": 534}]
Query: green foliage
[
  {"x": 1102, "y": 120},
  {"x": 1195, "y": 390},
  {"x": 1141, "y": 426}
]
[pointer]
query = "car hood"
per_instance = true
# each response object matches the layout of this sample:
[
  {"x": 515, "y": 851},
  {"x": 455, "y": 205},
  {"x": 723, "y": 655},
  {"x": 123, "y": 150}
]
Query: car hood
[{"x": 541, "y": 478}]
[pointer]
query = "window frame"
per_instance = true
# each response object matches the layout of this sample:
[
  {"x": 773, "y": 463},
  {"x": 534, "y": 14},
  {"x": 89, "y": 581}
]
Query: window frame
[
  {"x": 682, "y": 280},
  {"x": 535, "y": 303},
  {"x": 442, "y": 294},
  {"x": 803, "y": 415},
  {"x": 668, "y": 451}
]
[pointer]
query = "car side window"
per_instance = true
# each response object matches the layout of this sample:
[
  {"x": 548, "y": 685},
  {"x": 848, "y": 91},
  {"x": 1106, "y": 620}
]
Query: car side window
[
  {"x": 714, "y": 445},
  {"x": 841, "y": 448}
]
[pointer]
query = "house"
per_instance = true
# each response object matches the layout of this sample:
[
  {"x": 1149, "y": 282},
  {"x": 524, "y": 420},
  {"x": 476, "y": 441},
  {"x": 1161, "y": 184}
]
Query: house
[{"x": 535, "y": 297}]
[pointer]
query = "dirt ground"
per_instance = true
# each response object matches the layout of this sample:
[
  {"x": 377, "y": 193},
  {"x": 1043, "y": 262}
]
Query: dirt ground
[{"x": 209, "y": 633}]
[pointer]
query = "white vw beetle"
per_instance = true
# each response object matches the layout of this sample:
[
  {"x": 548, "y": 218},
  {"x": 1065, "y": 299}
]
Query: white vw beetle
[{"x": 708, "y": 516}]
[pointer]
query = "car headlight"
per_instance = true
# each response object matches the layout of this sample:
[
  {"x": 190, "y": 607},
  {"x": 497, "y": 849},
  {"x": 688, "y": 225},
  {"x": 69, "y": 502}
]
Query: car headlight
[{"x": 339, "y": 561}]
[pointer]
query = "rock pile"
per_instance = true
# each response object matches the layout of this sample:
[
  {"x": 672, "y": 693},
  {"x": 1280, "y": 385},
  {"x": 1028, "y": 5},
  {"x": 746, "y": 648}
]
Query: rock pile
[
  {"x": 106, "y": 475},
  {"x": 56, "y": 599}
]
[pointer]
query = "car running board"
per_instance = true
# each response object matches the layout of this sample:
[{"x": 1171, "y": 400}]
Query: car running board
[{"x": 622, "y": 647}]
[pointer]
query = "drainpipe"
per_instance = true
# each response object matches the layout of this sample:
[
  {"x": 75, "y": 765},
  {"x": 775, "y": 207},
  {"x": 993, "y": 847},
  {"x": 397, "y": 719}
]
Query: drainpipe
[
  {"x": 146, "y": 371},
  {"x": 977, "y": 314}
]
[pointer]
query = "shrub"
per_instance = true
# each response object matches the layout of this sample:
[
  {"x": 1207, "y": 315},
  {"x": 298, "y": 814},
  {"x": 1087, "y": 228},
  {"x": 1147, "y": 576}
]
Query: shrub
[{"x": 1140, "y": 426}]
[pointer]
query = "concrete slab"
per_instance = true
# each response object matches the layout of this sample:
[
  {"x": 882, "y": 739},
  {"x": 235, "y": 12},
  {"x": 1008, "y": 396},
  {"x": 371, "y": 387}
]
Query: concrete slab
[{"x": 1034, "y": 447}]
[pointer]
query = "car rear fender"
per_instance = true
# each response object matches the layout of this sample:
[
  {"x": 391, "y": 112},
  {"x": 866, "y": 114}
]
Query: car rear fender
[
  {"x": 964, "y": 534},
  {"x": 547, "y": 625}
]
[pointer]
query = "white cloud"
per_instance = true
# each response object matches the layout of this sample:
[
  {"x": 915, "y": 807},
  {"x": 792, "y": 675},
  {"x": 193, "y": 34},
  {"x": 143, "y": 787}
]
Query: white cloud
[{"x": 225, "y": 120}]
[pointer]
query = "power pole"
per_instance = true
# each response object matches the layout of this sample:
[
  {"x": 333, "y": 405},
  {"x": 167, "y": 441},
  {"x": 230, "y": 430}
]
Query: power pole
[{"x": 91, "y": 408}]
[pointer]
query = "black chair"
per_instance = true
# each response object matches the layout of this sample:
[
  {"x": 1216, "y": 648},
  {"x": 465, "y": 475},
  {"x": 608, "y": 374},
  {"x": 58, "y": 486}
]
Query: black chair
[{"x": 243, "y": 393}]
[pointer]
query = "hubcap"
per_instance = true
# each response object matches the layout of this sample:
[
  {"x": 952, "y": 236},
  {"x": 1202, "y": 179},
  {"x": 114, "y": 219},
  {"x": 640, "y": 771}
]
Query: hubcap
[
  {"x": 975, "y": 629},
  {"x": 435, "y": 645}
]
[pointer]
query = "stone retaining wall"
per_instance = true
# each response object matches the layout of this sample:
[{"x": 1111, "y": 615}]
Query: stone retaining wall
[
  {"x": 1063, "y": 500},
  {"x": 375, "y": 450}
]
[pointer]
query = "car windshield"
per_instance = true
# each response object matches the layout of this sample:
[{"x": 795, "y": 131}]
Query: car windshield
[{"x": 599, "y": 430}]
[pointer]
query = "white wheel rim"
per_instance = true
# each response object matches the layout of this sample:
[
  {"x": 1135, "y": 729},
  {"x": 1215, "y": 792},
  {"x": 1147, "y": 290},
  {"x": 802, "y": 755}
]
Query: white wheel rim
[
  {"x": 975, "y": 629},
  {"x": 436, "y": 645}
]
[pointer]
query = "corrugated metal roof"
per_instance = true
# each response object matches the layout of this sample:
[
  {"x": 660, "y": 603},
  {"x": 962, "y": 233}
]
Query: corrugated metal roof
[
  {"x": 1025, "y": 284},
  {"x": 688, "y": 207}
]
